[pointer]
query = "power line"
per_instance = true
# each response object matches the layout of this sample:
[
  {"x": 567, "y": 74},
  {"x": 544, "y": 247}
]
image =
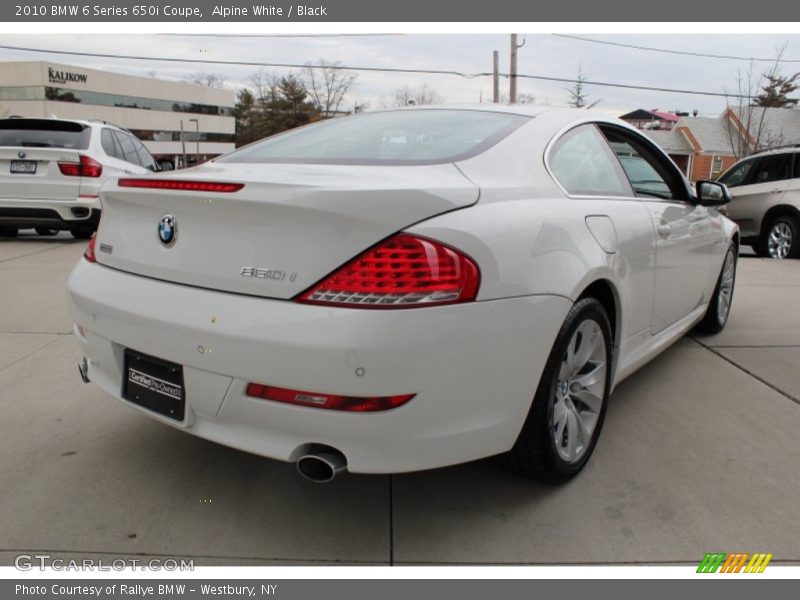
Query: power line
[
  {"x": 377, "y": 70},
  {"x": 682, "y": 52},
  {"x": 281, "y": 35},
  {"x": 646, "y": 88},
  {"x": 248, "y": 63}
]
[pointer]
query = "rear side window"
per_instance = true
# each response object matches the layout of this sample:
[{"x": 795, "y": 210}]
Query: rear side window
[
  {"x": 772, "y": 168},
  {"x": 402, "y": 137},
  {"x": 44, "y": 133},
  {"x": 145, "y": 158},
  {"x": 129, "y": 153},
  {"x": 582, "y": 162},
  {"x": 107, "y": 141}
]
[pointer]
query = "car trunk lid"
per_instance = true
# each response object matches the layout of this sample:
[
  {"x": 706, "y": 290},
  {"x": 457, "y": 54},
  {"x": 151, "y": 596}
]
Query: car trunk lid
[{"x": 290, "y": 225}]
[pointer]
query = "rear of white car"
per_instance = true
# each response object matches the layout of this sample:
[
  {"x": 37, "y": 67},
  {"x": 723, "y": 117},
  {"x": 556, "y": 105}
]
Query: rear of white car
[
  {"x": 51, "y": 172},
  {"x": 48, "y": 178},
  {"x": 389, "y": 292},
  {"x": 291, "y": 309}
]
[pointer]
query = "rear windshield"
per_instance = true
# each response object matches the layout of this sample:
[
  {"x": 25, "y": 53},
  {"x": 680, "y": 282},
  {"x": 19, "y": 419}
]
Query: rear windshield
[
  {"x": 43, "y": 133},
  {"x": 392, "y": 137}
]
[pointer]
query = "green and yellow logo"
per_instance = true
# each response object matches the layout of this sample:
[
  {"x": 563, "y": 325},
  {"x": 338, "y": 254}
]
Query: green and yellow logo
[{"x": 720, "y": 562}]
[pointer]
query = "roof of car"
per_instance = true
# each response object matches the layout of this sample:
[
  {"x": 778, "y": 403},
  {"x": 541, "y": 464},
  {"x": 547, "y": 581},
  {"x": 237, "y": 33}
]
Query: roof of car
[
  {"x": 86, "y": 122},
  {"x": 778, "y": 150}
]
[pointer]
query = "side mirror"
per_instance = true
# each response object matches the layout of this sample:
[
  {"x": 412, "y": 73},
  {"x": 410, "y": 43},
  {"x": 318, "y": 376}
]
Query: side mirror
[
  {"x": 164, "y": 165},
  {"x": 712, "y": 193}
]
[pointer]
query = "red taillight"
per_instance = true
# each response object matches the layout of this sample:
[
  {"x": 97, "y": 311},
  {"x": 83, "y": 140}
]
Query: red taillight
[
  {"x": 327, "y": 401},
  {"x": 404, "y": 271},
  {"x": 179, "y": 184},
  {"x": 89, "y": 254},
  {"x": 85, "y": 167}
]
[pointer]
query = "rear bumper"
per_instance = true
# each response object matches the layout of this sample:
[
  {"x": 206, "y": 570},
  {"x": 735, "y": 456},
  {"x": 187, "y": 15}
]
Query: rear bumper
[
  {"x": 474, "y": 367},
  {"x": 56, "y": 214}
]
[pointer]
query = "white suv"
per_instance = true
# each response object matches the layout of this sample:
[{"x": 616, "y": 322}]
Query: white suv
[
  {"x": 766, "y": 201},
  {"x": 51, "y": 171}
]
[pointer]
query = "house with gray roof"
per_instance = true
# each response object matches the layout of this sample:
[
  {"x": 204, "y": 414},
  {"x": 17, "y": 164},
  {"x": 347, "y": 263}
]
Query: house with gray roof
[{"x": 705, "y": 147}]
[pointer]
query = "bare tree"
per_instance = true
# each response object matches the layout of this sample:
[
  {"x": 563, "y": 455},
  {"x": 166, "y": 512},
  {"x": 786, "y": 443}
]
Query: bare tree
[
  {"x": 264, "y": 85},
  {"x": 522, "y": 98},
  {"x": 327, "y": 84},
  {"x": 207, "y": 79},
  {"x": 421, "y": 95},
  {"x": 746, "y": 120},
  {"x": 578, "y": 97}
]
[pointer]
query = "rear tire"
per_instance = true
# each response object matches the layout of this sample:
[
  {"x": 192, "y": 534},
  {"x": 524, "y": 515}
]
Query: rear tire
[
  {"x": 781, "y": 238},
  {"x": 9, "y": 232},
  {"x": 564, "y": 422},
  {"x": 719, "y": 309},
  {"x": 45, "y": 231},
  {"x": 760, "y": 250},
  {"x": 82, "y": 232}
]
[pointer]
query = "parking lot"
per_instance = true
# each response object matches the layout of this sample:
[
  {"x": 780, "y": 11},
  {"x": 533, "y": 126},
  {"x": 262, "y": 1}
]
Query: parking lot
[{"x": 699, "y": 453}]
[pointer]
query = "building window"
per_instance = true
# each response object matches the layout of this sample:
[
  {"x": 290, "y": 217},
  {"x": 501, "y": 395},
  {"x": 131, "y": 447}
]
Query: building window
[
  {"x": 716, "y": 166},
  {"x": 116, "y": 100},
  {"x": 188, "y": 136}
]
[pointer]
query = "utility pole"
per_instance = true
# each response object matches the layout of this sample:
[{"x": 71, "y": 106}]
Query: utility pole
[
  {"x": 512, "y": 72},
  {"x": 496, "y": 77},
  {"x": 183, "y": 147},
  {"x": 197, "y": 139}
]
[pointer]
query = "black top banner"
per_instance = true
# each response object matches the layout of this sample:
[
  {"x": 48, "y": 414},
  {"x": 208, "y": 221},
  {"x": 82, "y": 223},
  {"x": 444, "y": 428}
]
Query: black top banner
[{"x": 334, "y": 11}]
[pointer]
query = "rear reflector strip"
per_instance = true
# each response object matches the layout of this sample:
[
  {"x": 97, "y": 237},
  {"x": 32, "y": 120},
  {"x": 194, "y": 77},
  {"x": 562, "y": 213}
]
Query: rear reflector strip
[
  {"x": 179, "y": 184},
  {"x": 327, "y": 401}
]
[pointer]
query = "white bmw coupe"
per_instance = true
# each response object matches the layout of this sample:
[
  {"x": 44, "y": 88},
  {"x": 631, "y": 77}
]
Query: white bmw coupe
[{"x": 403, "y": 290}]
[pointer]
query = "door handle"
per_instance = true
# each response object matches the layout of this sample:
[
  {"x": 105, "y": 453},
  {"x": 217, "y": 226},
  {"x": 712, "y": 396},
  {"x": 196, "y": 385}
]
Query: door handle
[
  {"x": 777, "y": 191},
  {"x": 664, "y": 230}
]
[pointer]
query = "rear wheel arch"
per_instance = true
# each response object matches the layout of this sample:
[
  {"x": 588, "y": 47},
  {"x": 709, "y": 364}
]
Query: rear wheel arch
[{"x": 606, "y": 293}]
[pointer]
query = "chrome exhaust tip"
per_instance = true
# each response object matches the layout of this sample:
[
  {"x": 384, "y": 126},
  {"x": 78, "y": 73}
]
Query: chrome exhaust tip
[
  {"x": 83, "y": 369},
  {"x": 321, "y": 467}
]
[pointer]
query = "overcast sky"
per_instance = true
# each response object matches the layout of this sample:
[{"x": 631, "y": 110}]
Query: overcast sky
[{"x": 542, "y": 55}]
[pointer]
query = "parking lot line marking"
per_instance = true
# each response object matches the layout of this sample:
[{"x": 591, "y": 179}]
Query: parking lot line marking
[
  {"x": 748, "y": 372},
  {"x": 756, "y": 346},
  {"x": 3, "y": 260},
  {"x": 20, "y": 359}
]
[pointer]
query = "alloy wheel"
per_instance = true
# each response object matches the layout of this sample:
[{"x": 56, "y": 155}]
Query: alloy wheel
[
  {"x": 779, "y": 241},
  {"x": 580, "y": 391},
  {"x": 726, "y": 287}
]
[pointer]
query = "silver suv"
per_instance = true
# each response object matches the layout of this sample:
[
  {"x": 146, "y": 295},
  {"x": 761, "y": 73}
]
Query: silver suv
[
  {"x": 51, "y": 171},
  {"x": 766, "y": 201}
]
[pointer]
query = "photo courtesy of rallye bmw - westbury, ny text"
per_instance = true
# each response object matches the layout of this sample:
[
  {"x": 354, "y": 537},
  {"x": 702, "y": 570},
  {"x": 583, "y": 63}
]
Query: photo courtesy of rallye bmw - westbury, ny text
[
  {"x": 138, "y": 590},
  {"x": 398, "y": 300}
]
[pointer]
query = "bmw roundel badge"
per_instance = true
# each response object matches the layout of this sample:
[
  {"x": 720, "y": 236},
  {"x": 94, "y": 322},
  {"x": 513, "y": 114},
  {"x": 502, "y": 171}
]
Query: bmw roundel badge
[
  {"x": 21, "y": 154},
  {"x": 168, "y": 230}
]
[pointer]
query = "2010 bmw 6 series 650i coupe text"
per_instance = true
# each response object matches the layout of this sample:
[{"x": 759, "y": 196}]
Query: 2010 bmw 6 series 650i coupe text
[{"x": 405, "y": 289}]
